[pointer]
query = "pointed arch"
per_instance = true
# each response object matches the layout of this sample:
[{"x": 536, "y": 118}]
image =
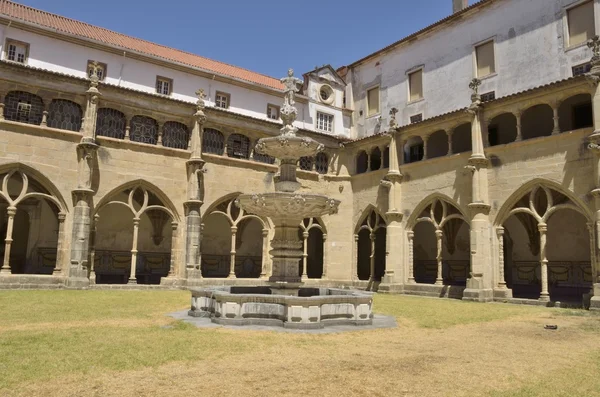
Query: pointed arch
[
  {"x": 54, "y": 193},
  {"x": 505, "y": 211},
  {"x": 168, "y": 205},
  {"x": 370, "y": 208},
  {"x": 427, "y": 201}
]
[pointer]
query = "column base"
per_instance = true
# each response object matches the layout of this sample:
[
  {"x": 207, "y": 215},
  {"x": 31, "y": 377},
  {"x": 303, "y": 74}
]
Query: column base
[
  {"x": 388, "y": 278},
  {"x": 78, "y": 278},
  {"x": 231, "y": 276},
  {"x": 544, "y": 298},
  {"x": 595, "y": 299},
  {"x": 132, "y": 281},
  {"x": 502, "y": 293},
  {"x": 171, "y": 281}
]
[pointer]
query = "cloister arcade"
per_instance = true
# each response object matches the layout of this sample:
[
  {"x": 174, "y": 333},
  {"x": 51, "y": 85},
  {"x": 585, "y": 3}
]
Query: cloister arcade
[
  {"x": 134, "y": 231},
  {"x": 370, "y": 238},
  {"x": 438, "y": 243},
  {"x": 545, "y": 242},
  {"x": 32, "y": 215}
]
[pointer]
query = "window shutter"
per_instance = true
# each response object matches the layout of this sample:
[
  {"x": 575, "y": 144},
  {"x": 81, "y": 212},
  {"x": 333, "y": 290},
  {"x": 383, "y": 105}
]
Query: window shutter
[
  {"x": 373, "y": 100},
  {"x": 485, "y": 59},
  {"x": 416, "y": 85},
  {"x": 581, "y": 23}
]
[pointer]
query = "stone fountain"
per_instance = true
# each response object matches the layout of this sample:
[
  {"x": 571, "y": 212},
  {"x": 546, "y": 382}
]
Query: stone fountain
[{"x": 284, "y": 301}]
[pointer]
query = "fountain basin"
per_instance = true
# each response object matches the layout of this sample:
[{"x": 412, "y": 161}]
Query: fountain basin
[
  {"x": 288, "y": 146},
  {"x": 312, "y": 308},
  {"x": 288, "y": 205}
]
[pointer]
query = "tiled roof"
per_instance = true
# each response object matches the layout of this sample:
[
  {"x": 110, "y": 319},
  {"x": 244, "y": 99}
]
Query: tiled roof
[{"x": 90, "y": 32}]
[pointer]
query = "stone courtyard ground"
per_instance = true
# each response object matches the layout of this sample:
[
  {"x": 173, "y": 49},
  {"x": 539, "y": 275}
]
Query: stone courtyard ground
[{"x": 121, "y": 343}]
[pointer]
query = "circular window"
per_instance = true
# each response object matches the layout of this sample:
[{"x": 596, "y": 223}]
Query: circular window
[{"x": 326, "y": 94}]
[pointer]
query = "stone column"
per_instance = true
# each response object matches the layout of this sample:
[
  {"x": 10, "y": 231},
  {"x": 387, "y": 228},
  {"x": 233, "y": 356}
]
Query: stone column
[
  {"x": 94, "y": 230},
  {"x": 500, "y": 234},
  {"x": 556, "y": 129},
  {"x": 411, "y": 261},
  {"x": 127, "y": 136},
  {"x": 519, "y": 135},
  {"x": 1, "y": 106},
  {"x": 544, "y": 295},
  {"x": 372, "y": 237},
  {"x": 195, "y": 194},
  {"x": 88, "y": 127},
  {"x": 11, "y": 212},
  {"x": 425, "y": 141},
  {"x": 479, "y": 283},
  {"x": 232, "y": 253},
  {"x": 450, "y": 133},
  {"x": 325, "y": 257},
  {"x": 265, "y": 253},
  {"x": 304, "y": 254},
  {"x": 438, "y": 236},
  {"x": 134, "y": 251},
  {"x": 355, "y": 261},
  {"x": 59, "y": 245},
  {"x": 174, "y": 258}
]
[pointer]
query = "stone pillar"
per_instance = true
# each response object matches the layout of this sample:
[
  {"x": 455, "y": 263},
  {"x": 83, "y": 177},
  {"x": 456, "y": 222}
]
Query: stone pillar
[
  {"x": 11, "y": 212},
  {"x": 544, "y": 295},
  {"x": 304, "y": 255},
  {"x": 127, "y": 136},
  {"x": 88, "y": 127},
  {"x": 479, "y": 283},
  {"x": 59, "y": 245},
  {"x": 195, "y": 194},
  {"x": 411, "y": 257},
  {"x": 519, "y": 135},
  {"x": 355, "y": 258},
  {"x": 174, "y": 258},
  {"x": 265, "y": 253},
  {"x": 438, "y": 236},
  {"x": 450, "y": 133},
  {"x": 325, "y": 257},
  {"x": 425, "y": 141},
  {"x": 501, "y": 280},
  {"x": 82, "y": 197},
  {"x": 286, "y": 251},
  {"x": 232, "y": 253},
  {"x": 372, "y": 237},
  {"x": 556, "y": 129},
  {"x": 134, "y": 251}
]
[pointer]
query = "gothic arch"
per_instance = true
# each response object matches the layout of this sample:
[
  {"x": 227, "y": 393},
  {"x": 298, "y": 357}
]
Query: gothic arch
[
  {"x": 365, "y": 213},
  {"x": 427, "y": 201},
  {"x": 230, "y": 247},
  {"x": 313, "y": 234},
  {"x": 370, "y": 235},
  {"x": 505, "y": 211},
  {"x": 167, "y": 206}
]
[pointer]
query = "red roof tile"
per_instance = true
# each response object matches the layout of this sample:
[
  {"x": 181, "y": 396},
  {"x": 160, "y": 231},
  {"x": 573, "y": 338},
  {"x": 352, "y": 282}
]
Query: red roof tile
[{"x": 86, "y": 31}]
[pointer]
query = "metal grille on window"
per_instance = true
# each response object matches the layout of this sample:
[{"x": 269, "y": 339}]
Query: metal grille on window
[
  {"x": 306, "y": 163},
  {"x": 581, "y": 69},
  {"x": 417, "y": 118},
  {"x": 322, "y": 163},
  {"x": 143, "y": 129},
  {"x": 212, "y": 141},
  {"x": 111, "y": 123},
  {"x": 64, "y": 115},
  {"x": 175, "y": 135},
  {"x": 238, "y": 146},
  {"x": 488, "y": 96},
  {"x": 262, "y": 158},
  {"x": 23, "y": 107}
]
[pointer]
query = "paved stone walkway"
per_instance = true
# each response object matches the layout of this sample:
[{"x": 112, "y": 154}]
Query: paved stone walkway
[{"x": 379, "y": 321}]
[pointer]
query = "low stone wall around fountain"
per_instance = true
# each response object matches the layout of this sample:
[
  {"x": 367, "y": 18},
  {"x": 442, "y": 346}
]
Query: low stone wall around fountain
[{"x": 312, "y": 308}]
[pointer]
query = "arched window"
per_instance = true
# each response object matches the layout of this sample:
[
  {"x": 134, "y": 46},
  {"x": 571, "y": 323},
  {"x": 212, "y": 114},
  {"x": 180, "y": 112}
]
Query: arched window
[
  {"x": 175, "y": 135},
  {"x": 322, "y": 163},
  {"x": 143, "y": 129},
  {"x": 362, "y": 162},
  {"x": 212, "y": 141},
  {"x": 375, "y": 159},
  {"x": 238, "y": 146},
  {"x": 262, "y": 158},
  {"x": 111, "y": 123},
  {"x": 23, "y": 107},
  {"x": 64, "y": 115},
  {"x": 306, "y": 163}
]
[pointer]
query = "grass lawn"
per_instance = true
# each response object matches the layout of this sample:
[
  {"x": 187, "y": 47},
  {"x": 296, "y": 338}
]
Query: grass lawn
[{"x": 120, "y": 343}]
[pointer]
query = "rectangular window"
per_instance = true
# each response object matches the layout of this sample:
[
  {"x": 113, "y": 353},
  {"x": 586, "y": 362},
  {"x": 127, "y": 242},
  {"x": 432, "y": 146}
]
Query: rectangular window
[
  {"x": 23, "y": 111},
  {"x": 164, "y": 86},
  {"x": 16, "y": 51},
  {"x": 222, "y": 100},
  {"x": 273, "y": 112},
  {"x": 415, "y": 85},
  {"x": 581, "y": 69},
  {"x": 488, "y": 96},
  {"x": 417, "y": 118},
  {"x": 101, "y": 71},
  {"x": 324, "y": 122},
  {"x": 485, "y": 59},
  {"x": 373, "y": 101},
  {"x": 580, "y": 20}
]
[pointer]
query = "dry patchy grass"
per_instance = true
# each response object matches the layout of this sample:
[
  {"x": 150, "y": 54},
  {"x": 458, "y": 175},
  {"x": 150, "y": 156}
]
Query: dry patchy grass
[{"x": 114, "y": 343}]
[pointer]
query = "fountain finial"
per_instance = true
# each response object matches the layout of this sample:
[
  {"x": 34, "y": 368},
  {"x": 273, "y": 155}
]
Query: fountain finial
[{"x": 288, "y": 111}]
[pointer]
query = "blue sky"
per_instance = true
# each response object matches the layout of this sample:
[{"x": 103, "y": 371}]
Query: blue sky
[{"x": 266, "y": 36}]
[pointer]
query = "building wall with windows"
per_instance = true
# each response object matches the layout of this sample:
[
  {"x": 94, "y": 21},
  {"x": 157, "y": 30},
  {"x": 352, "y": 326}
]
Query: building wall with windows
[{"x": 531, "y": 47}]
